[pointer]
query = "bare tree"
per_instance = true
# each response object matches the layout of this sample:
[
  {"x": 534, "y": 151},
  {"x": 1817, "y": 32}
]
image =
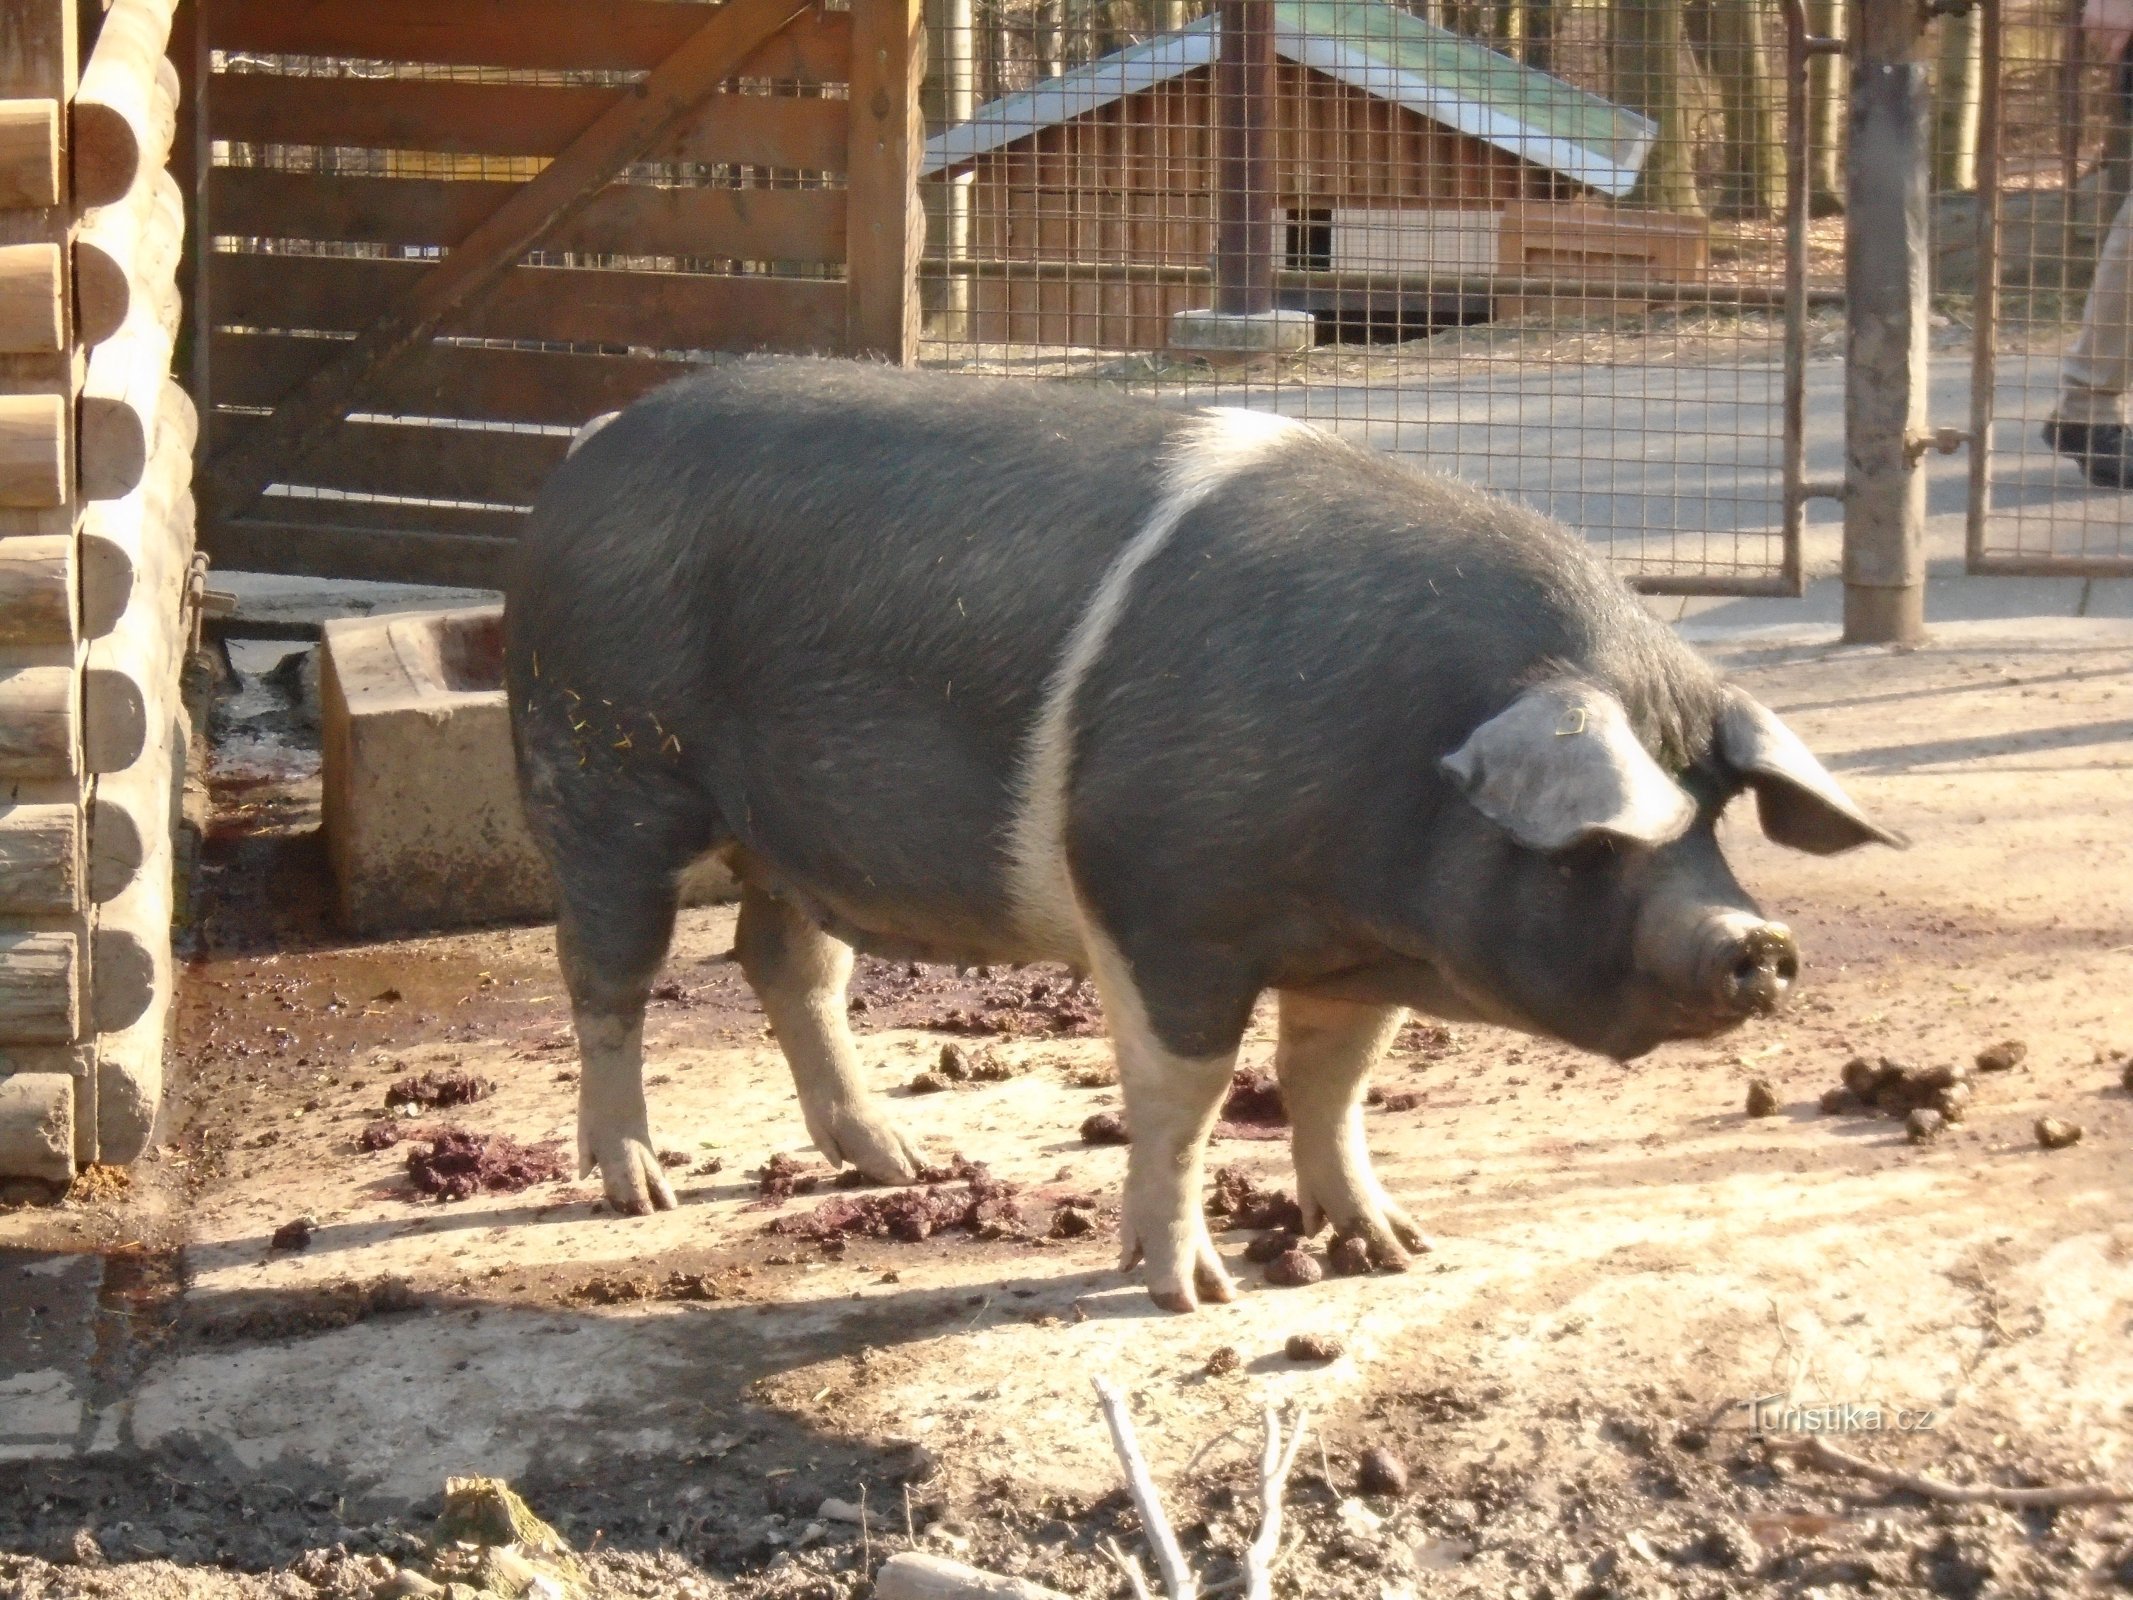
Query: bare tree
[
  {"x": 1825, "y": 114},
  {"x": 1730, "y": 37},
  {"x": 1651, "y": 75},
  {"x": 1958, "y": 99}
]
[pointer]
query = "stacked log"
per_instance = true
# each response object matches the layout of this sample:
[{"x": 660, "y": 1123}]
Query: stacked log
[{"x": 96, "y": 549}]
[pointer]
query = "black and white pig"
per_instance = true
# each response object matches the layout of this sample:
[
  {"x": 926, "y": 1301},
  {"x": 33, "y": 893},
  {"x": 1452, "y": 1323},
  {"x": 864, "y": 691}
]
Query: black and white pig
[{"x": 1205, "y": 703}]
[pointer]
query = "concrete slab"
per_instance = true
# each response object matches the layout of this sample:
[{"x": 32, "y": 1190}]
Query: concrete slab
[
  {"x": 1252, "y": 332},
  {"x": 48, "y": 1311},
  {"x": 420, "y": 809}
]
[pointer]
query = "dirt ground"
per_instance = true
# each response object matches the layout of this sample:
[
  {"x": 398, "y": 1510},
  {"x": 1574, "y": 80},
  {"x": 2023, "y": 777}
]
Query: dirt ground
[{"x": 1623, "y": 1258}]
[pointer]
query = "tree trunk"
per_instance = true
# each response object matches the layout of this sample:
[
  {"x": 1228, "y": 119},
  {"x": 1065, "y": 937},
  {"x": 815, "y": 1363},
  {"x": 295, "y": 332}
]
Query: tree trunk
[
  {"x": 949, "y": 96},
  {"x": 1825, "y": 114},
  {"x": 1751, "y": 162},
  {"x": 1958, "y": 95},
  {"x": 1048, "y": 38},
  {"x": 1651, "y": 71},
  {"x": 1539, "y": 51}
]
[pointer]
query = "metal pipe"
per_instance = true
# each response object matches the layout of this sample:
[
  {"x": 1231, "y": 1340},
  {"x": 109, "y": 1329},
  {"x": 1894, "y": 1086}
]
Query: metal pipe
[
  {"x": 1244, "y": 158},
  {"x": 1985, "y": 304}
]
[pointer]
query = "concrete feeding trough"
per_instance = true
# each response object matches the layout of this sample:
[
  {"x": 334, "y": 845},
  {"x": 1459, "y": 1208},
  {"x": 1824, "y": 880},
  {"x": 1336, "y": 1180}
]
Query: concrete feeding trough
[{"x": 421, "y": 811}]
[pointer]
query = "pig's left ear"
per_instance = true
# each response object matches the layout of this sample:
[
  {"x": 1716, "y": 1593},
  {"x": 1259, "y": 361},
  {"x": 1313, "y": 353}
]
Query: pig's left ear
[
  {"x": 1799, "y": 803},
  {"x": 1561, "y": 765}
]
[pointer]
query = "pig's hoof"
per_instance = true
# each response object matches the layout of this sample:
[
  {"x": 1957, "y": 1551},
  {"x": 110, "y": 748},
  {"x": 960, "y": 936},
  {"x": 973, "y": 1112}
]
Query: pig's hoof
[
  {"x": 1393, "y": 1238},
  {"x": 862, "y": 1137},
  {"x": 630, "y": 1174},
  {"x": 1180, "y": 1279}
]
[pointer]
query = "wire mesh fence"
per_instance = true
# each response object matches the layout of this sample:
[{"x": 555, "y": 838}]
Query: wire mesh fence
[
  {"x": 1561, "y": 249},
  {"x": 2047, "y": 159}
]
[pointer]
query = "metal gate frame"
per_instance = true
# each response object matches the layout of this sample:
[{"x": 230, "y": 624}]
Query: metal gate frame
[{"x": 1984, "y": 359}]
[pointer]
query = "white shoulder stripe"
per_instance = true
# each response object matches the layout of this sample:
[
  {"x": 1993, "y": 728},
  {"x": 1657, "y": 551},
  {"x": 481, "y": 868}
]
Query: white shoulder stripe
[{"x": 1219, "y": 443}]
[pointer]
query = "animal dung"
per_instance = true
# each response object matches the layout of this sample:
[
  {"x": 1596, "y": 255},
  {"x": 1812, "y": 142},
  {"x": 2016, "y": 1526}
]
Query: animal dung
[
  {"x": 2002, "y": 1057},
  {"x": 294, "y": 1234},
  {"x": 2055, "y": 1133},
  {"x": 1238, "y": 1202},
  {"x": 1105, "y": 1127},
  {"x": 1350, "y": 1257},
  {"x": 963, "y": 1197},
  {"x": 1293, "y": 1268},
  {"x": 1380, "y": 1472},
  {"x": 1313, "y": 1347},
  {"x": 455, "y": 1164},
  {"x": 1897, "y": 1088},
  {"x": 437, "y": 1091}
]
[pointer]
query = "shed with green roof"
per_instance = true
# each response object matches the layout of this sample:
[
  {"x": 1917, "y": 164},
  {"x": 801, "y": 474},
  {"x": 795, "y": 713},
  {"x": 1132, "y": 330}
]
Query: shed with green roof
[{"x": 1401, "y": 150}]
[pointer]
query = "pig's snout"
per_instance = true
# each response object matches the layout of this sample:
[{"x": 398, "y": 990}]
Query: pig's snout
[{"x": 1748, "y": 966}]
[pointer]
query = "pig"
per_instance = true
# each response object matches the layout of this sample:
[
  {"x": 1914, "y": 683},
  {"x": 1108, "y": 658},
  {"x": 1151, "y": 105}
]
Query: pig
[{"x": 1203, "y": 703}]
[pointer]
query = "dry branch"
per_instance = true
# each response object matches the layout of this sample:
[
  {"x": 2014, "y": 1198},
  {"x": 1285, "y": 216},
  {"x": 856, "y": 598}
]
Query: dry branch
[
  {"x": 1819, "y": 1452},
  {"x": 1178, "y": 1581},
  {"x": 1275, "y": 1463}
]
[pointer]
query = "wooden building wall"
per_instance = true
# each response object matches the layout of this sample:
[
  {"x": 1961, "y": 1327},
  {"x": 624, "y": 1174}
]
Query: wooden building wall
[{"x": 96, "y": 558}]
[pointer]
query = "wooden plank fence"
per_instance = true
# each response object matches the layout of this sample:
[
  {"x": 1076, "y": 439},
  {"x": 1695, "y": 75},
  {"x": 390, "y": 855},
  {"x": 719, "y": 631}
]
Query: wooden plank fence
[{"x": 436, "y": 236}]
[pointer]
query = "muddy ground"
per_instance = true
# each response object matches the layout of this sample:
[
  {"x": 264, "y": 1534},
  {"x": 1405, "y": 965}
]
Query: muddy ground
[{"x": 1623, "y": 1257}]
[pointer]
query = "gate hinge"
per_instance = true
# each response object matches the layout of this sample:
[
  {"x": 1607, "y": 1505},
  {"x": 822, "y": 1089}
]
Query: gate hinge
[
  {"x": 1816, "y": 44},
  {"x": 1945, "y": 440},
  {"x": 1948, "y": 8}
]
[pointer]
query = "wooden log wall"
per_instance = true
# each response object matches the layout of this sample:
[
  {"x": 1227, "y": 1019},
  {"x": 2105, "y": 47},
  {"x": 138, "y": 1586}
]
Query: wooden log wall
[
  {"x": 378, "y": 172},
  {"x": 96, "y": 563}
]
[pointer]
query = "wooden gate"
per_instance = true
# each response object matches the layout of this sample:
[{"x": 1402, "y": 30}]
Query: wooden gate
[{"x": 438, "y": 235}]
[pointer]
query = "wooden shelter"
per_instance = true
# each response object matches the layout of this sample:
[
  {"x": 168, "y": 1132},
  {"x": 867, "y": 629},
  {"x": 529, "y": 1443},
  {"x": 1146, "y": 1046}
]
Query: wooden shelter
[{"x": 1403, "y": 154}]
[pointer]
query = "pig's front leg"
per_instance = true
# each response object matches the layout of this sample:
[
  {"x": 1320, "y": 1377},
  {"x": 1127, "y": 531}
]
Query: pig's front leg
[
  {"x": 1171, "y": 1104},
  {"x": 799, "y": 973},
  {"x": 1324, "y": 1057}
]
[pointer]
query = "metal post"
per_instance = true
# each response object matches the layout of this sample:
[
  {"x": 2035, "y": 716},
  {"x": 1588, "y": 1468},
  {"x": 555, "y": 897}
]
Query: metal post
[
  {"x": 1885, "y": 257},
  {"x": 1244, "y": 159}
]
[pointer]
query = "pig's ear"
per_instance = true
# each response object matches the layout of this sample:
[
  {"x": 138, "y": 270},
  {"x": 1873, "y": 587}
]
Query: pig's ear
[
  {"x": 1562, "y": 765},
  {"x": 1799, "y": 803}
]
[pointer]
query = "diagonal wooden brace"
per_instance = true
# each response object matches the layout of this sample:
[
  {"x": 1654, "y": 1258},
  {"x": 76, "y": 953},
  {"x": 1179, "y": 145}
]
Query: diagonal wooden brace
[{"x": 642, "y": 115}]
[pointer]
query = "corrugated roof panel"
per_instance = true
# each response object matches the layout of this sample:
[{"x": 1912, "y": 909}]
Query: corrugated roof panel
[{"x": 1372, "y": 47}]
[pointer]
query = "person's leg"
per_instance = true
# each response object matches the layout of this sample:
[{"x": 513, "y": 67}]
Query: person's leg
[{"x": 2089, "y": 423}]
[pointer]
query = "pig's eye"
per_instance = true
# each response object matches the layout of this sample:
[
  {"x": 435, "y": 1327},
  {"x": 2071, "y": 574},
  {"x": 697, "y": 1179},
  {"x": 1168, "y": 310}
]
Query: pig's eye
[{"x": 1595, "y": 852}]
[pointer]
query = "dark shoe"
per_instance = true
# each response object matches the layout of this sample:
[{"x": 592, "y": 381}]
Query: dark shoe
[{"x": 2104, "y": 450}]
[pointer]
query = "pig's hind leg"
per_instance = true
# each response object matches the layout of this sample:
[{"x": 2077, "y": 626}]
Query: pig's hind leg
[
  {"x": 799, "y": 973},
  {"x": 615, "y": 918},
  {"x": 1324, "y": 1055}
]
